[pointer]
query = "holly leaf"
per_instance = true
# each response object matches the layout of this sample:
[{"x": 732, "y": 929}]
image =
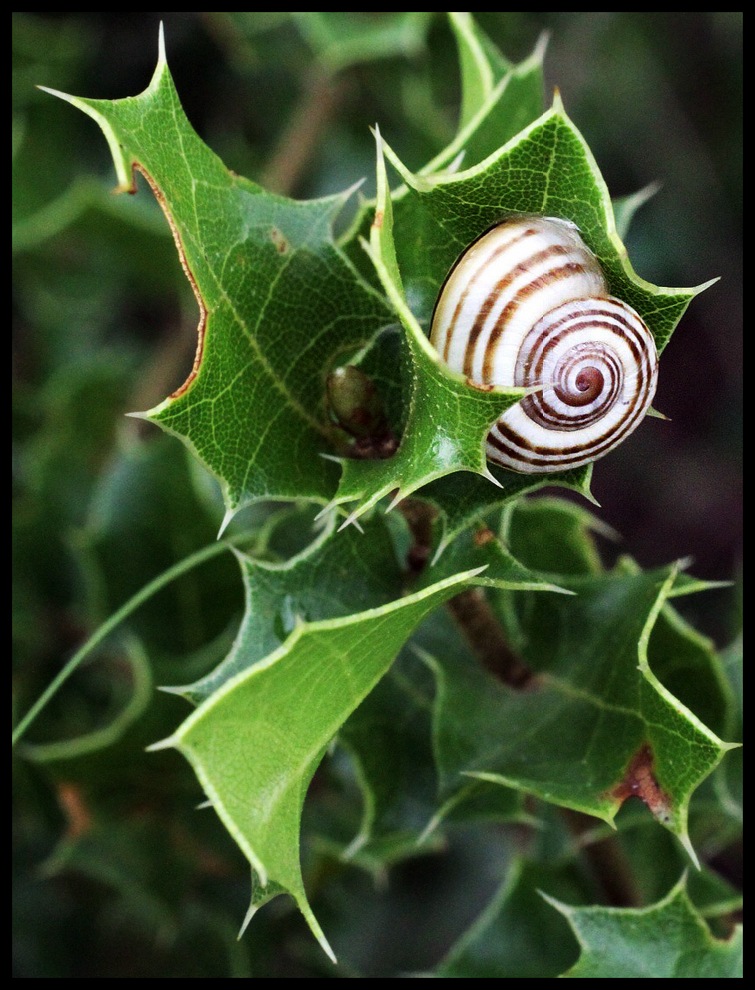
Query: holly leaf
[
  {"x": 460, "y": 499},
  {"x": 329, "y": 579},
  {"x": 595, "y": 724},
  {"x": 256, "y": 418},
  {"x": 546, "y": 169},
  {"x": 323, "y": 626},
  {"x": 270, "y": 283},
  {"x": 498, "y": 99},
  {"x": 668, "y": 940},
  {"x": 388, "y": 741},
  {"x": 257, "y": 741}
]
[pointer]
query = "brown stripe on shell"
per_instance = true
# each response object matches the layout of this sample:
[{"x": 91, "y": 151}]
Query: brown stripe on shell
[
  {"x": 490, "y": 300},
  {"x": 516, "y": 446},
  {"x": 452, "y": 325},
  {"x": 584, "y": 384},
  {"x": 587, "y": 320},
  {"x": 570, "y": 269}
]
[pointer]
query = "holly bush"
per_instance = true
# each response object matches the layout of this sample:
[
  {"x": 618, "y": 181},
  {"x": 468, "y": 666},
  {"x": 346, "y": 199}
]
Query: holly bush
[{"x": 400, "y": 691}]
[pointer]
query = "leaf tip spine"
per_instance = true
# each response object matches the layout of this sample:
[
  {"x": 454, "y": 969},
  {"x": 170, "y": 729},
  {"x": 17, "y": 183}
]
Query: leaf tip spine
[
  {"x": 697, "y": 289},
  {"x": 59, "y": 93},
  {"x": 351, "y": 519},
  {"x": 486, "y": 473},
  {"x": 169, "y": 743},
  {"x": 541, "y": 46},
  {"x": 441, "y": 547},
  {"x": 162, "y": 60},
  {"x": 686, "y": 842},
  {"x": 398, "y": 497},
  {"x": 226, "y": 521}
]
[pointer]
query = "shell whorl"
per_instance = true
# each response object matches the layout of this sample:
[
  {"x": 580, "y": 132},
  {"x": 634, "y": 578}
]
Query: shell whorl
[{"x": 527, "y": 305}]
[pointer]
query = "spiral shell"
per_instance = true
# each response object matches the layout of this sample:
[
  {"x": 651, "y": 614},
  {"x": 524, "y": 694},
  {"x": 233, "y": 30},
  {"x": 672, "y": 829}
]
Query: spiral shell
[{"x": 527, "y": 305}]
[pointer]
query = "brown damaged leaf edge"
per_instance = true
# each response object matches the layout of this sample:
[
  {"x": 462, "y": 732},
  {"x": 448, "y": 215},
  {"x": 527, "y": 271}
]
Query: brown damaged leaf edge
[
  {"x": 639, "y": 781},
  {"x": 201, "y": 326}
]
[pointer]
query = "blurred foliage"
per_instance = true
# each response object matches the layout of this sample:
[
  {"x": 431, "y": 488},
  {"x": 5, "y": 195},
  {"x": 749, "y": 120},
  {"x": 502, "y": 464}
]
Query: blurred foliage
[{"x": 115, "y": 874}]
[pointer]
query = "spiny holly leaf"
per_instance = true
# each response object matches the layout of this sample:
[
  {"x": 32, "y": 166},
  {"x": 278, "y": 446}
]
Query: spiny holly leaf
[
  {"x": 498, "y": 99},
  {"x": 257, "y": 741},
  {"x": 557, "y": 536},
  {"x": 481, "y": 64},
  {"x": 388, "y": 740},
  {"x": 668, "y": 940},
  {"x": 547, "y": 170},
  {"x": 481, "y": 547},
  {"x": 277, "y": 302},
  {"x": 448, "y": 421},
  {"x": 390, "y": 732},
  {"x": 338, "y": 577},
  {"x": 331, "y": 578},
  {"x": 656, "y": 861},
  {"x": 594, "y": 725},
  {"x": 728, "y": 782},
  {"x": 460, "y": 499}
]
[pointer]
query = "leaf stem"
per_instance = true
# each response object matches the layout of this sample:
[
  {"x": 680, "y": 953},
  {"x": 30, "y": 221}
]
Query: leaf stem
[
  {"x": 193, "y": 560},
  {"x": 479, "y": 624},
  {"x": 470, "y": 609}
]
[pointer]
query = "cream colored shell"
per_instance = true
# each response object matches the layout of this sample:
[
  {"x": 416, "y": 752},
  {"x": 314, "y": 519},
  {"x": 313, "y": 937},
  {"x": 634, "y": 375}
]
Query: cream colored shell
[{"x": 527, "y": 305}]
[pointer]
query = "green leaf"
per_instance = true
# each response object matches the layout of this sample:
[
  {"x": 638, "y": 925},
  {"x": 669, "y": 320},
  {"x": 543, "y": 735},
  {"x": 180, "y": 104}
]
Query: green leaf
[
  {"x": 481, "y": 64},
  {"x": 554, "y": 536},
  {"x": 463, "y": 497},
  {"x": 656, "y": 860},
  {"x": 595, "y": 725},
  {"x": 546, "y": 169},
  {"x": 331, "y": 578},
  {"x": 728, "y": 782},
  {"x": 389, "y": 739},
  {"x": 481, "y": 547},
  {"x": 623, "y": 700},
  {"x": 447, "y": 423},
  {"x": 257, "y": 741},
  {"x": 253, "y": 415},
  {"x": 498, "y": 99},
  {"x": 668, "y": 940}
]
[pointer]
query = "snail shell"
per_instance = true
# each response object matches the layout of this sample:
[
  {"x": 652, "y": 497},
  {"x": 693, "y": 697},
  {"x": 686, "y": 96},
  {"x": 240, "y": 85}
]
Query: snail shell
[{"x": 527, "y": 305}]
